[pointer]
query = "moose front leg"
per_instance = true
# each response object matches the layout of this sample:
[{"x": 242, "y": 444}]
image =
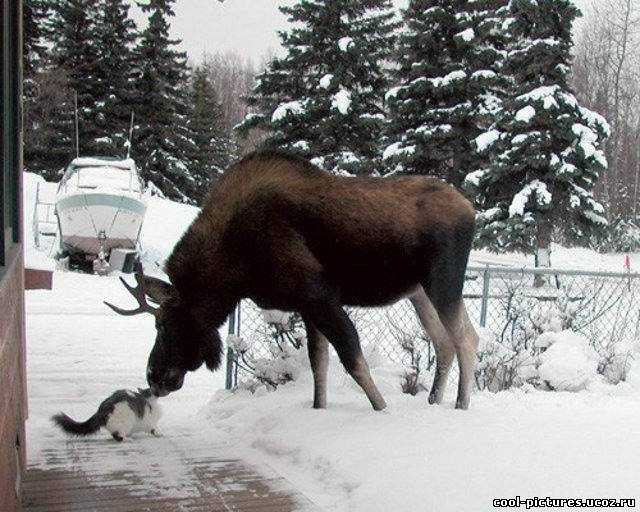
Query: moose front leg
[
  {"x": 334, "y": 323},
  {"x": 319, "y": 357}
]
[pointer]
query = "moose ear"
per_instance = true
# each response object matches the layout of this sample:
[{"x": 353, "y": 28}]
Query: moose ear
[{"x": 157, "y": 290}]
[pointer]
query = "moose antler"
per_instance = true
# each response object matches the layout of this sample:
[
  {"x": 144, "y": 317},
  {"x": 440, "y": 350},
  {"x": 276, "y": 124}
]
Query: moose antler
[{"x": 138, "y": 292}]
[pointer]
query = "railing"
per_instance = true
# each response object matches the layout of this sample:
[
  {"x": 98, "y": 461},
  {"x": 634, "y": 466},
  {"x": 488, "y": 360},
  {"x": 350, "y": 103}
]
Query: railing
[
  {"x": 514, "y": 304},
  {"x": 38, "y": 218}
]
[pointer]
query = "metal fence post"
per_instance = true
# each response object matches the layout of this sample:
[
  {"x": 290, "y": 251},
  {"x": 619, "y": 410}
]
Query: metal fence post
[
  {"x": 228, "y": 383},
  {"x": 484, "y": 304}
]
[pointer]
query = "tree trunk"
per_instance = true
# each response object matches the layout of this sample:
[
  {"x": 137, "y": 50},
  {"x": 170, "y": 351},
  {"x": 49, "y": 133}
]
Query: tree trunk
[{"x": 543, "y": 249}]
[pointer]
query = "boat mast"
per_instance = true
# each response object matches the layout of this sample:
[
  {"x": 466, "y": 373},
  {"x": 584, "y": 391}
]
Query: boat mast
[
  {"x": 75, "y": 105},
  {"x": 130, "y": 136}
]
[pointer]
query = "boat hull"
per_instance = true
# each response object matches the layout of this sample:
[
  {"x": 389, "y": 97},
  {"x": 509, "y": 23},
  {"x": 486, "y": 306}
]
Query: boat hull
[{"x": 90, "y": 222}]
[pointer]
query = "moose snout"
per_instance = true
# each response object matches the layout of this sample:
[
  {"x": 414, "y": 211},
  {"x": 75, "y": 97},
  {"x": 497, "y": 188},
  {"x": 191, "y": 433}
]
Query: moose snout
[{"x": 163, "y": 383}]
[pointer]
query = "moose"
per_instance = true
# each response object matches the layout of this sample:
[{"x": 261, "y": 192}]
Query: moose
[{"x": 282, "y": 232}]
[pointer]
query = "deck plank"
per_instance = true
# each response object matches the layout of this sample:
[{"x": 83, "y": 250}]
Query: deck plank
[{"x": 68, "y": 480}]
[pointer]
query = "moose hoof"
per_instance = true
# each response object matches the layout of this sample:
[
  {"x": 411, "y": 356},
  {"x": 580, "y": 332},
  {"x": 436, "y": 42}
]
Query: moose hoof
[
  {"x": 434, "y": 399},
  {"x": 462, "y": 404}
]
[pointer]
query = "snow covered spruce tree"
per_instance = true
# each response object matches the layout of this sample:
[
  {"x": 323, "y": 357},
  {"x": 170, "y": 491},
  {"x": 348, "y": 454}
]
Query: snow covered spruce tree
[
  {"x": 214, "y": 149},
  {"x": 450, "y": 85},
  {"x": 35, "y": 32},
  {"x": 323, "y": 100},
  {"x": 83, "y": 47},
  {"x": 545, "y": 149},
  {"x": 163, "y": 143},
  {"x": 43, "y": 92},
  {"x": 75, "y": 53},
  {"x": 116, "y": 38}
]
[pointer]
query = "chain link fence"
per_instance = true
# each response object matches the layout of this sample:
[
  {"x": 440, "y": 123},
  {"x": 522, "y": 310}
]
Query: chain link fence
[{"x": 514, "y": 306}]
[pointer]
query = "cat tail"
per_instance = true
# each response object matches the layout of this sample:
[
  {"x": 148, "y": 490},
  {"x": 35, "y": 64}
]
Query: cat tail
[{"x": 70, "y": 426}]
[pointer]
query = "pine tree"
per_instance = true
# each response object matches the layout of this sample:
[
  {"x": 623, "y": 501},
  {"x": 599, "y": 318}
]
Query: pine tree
[
  {"x": 76, "y": 52},
  {"x": 545, "y": 149},
  {"x": 35, "y": 32},
  {"x": 116, "y": 37},
  {"x": 483, "y": 42},
  {"x": 213, "y": 146},
  {"x": 323, "y": 100},
  {"x": 162, "y": 141},
  {"x": 40, "y": 87},
  {"x": 450, "y": 85}
]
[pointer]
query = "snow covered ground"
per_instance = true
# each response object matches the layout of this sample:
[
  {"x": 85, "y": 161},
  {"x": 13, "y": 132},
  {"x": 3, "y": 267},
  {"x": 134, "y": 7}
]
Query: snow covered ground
[
  {"x": 420, "y": 457},
  {"x": 346, "y": 458}
]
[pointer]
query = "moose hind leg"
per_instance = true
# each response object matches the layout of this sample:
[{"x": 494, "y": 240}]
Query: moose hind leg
[
  {"x": 445, "y": 349},
  {"x": 334, "y": 323},
  {"x": 465, "y": 340},
  {"x": 319, "y": 358}
]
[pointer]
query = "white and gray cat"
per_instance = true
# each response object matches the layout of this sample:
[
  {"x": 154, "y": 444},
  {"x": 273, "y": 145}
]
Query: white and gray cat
[{"x": 122, "y": 414}]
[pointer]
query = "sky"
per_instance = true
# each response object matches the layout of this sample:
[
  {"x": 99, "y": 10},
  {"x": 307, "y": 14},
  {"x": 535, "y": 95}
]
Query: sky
[{"x": 248, "y": 27}]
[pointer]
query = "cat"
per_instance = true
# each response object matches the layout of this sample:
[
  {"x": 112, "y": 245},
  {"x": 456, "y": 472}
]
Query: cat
[{"x": 122, "y": 414}]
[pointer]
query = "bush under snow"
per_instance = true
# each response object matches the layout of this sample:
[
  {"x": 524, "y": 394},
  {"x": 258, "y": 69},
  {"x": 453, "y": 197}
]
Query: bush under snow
[{"x": 570, "y": 363}]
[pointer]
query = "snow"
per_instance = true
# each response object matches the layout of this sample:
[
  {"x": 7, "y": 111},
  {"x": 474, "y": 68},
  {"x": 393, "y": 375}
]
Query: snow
[
  {"x": 569, "y": 363},
  {"x": 526, "y": 114},
  {"x": 291, "y": 107},
  {"x": 347, "y": 457},
  {"x": 350, "y": 458},
  {"x": 397, "y": 149},
  {"x": 33, "y": 184},
  {"x": 473, "y": 178},
  {"x": 325, "y": 81},
  {"x": 587, "y": 139},
  {"x": 524, "y": 137},
  {"x": 594, "y": 119},
  {"x": 550, "y": 102},
  {"x": 444, "y": 81},
  {"x": 562, "y": 257},
  {"x": 392, "y": 93},
  {"x": 159, "y": 234},
  {"x": 342, "y": 101},
  {"x": 101, "y": 178},
  {"x": 345, "y": 43},
  {"x": 483, "y": 74},
  {"x": 301, "y": 144},
  {"x": 486, "y": 140},
  {"x": 125, "y": 163},
  {"x": 78, "y": 353},
  {"x": 466, "y": 35},
  {"x": 537, "y": 187},
  {"x": 429, "y": 131}
]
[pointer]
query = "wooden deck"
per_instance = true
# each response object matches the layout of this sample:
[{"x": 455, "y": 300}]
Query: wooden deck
[{"x": 80, "y": 476}]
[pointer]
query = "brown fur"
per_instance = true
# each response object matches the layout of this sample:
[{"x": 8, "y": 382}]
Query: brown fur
[{"x": 289, "y": 236}]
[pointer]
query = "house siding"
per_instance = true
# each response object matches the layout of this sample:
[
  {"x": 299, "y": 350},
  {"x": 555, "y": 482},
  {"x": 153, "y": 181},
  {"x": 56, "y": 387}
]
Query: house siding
[
  {"x": 12, "y": 385},
  {"x": 13, "y": 398}
]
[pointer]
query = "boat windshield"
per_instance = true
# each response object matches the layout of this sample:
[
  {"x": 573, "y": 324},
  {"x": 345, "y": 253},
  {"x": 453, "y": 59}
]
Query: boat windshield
[{"x": 102, "y": 175}]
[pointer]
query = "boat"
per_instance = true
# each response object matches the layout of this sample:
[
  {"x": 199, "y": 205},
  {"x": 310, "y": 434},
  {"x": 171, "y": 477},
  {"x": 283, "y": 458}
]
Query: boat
[{"x": 100, "y": 207}]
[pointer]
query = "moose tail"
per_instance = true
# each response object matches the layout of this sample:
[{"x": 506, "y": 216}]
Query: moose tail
[{"x": 70, "y": 426}]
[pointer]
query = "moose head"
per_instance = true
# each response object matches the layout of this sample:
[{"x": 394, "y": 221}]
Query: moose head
[{"x": 183, "y": 343}]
